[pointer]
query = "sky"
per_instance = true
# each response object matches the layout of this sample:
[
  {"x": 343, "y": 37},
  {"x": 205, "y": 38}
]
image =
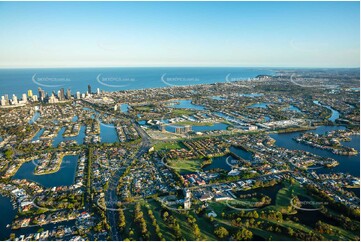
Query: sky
[{"x": 117, "y": 34}]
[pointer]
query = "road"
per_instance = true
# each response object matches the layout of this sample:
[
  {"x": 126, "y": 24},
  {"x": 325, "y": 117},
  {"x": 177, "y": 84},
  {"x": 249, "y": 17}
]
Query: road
[{"x": 111, "y": 194}]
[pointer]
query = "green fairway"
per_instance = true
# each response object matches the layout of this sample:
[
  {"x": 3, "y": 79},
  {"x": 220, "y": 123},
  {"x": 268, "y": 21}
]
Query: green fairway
[
  {"x": 270, "y": 235},
  {"x": 179, "y": 112},
  {"x": 186, "y": 229},
  {"x": 156, "y": 209},
  {"x": 186, "y": 166}
]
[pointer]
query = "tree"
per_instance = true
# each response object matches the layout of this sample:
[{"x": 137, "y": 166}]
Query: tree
[
  {"x": 221, "y": 232},
  {"x": 290, "y": 231},
  {"x": 9, "y": 153},
  {"x": 121, "y": 220},
  {"x": 196, "y": 231},
  {"x": 243, "y": 234},
  {"x": 165, "y": 215}
]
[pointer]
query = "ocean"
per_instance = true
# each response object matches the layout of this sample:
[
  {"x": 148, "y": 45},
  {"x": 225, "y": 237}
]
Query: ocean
[{"x": 19, "y": 81}]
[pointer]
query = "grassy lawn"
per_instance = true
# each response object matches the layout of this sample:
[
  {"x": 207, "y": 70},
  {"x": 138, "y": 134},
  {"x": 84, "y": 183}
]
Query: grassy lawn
[
  {"x": 186, "y": 166},
  {"x": 218, "y": 208},
  {"x": 179, "y": 112},
  {"x": 168, "y": 145},
  {"x": 155, "y": 207},
  {"x": 205, "y": 227},
  {"x": 266, "y": 235},
  {"x": 340, "y": 234},
  {"x": 143, "y": 108},
  {"x": 150, "y": 227},
  {"x": 186, "y": 229},
  {"x": 283, "y": 197},
  {"x": 285, "y": 194}
]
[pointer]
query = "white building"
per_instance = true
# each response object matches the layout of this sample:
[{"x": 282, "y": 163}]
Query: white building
[
  {"x": 24, "y": 98},
  {"x": 15, "y": 99},
  {"x": 187, "y": 203},
  {"x": 3, "y": 101}
]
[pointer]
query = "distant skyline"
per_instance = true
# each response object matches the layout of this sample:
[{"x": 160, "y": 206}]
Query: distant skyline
[{"x": 168, "y": 34}]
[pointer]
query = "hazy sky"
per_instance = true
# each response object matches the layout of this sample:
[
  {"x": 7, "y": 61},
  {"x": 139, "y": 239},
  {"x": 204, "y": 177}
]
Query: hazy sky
[{"x": 271, "y": 34}]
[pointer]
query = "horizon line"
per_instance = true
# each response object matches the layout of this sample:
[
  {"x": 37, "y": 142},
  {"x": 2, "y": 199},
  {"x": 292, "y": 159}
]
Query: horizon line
[{"x": 211, "y": 66}]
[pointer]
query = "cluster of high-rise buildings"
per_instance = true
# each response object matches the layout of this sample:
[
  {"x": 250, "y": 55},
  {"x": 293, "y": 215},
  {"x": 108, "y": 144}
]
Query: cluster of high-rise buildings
[
  {"x": 43, "y": 96},
  {"x": 6, "y": 101}
]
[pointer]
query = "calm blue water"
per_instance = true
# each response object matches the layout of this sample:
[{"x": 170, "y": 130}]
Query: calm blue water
[
  {"x": 186, "y": 104},
  {"x": 258, "y": 105},
  {"x": 335, "y": 114},
  {"x": 218, "y": 98},
  {"x": 74, "y": 119},
  {"x": 251, "y": 95},
  {"x": 142, "y": 122},
  {"x": 79, "y": 138},
  {"x": 124, "y": 107},
  {"x": 108, "y": 133},
  {"x": 218, "y": 162},
  {"x": 242, "y": 153},
  {"x": 8, "y": 214},
  {"x": 18, "y": 81},
  {"x": 293, "y": 108},
  {"x": 348, "y": 164},
  {"x": 38, "y": 134},
  {"x": 34, "y": 118},
  {"x": 64, "y": 177},
  {"x": 226, "y": 117}
]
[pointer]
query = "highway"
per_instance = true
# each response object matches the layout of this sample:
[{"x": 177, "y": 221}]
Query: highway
[{"x": 111, "y": 194}]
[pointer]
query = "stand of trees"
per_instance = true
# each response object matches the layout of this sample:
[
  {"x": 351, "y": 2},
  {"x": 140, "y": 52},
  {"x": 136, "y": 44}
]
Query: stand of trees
[
  {"x": 155, "y": 225},
  {"x": 140, "y": 221},
  {"x": 221, "y": 232},
  {"x": 173, "y": 224},
  {"x": 193, "y": 222}
]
